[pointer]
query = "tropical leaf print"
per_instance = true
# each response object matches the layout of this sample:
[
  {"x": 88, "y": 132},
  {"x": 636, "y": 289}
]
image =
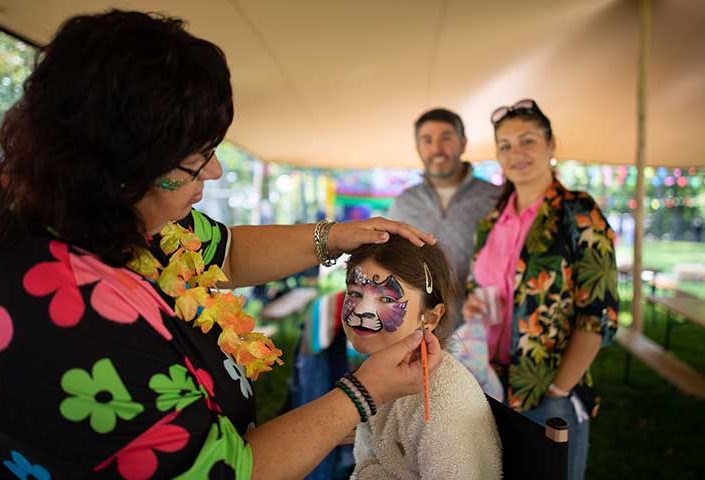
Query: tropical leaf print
[
  {"x": 542, "y": 232},
  {"x": 567, "y": 281},
  {"x": 529, "y": 381},
  {"x": 542, "y": 263},
  {"x": 596, "y": 276}
]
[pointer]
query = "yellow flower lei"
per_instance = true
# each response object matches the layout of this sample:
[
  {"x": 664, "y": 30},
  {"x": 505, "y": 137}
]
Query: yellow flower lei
[{"x": 193, "y": 287}]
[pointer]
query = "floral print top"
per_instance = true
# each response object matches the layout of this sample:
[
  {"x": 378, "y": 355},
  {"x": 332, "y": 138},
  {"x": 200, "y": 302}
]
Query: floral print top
[
  {"x": 99, "y": 378},
  {"x": 566, "y": 280}
]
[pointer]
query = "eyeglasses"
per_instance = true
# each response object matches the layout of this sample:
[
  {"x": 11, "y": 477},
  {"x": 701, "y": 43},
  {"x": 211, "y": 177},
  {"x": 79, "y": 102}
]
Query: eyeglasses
[
  {"x": 526, "y": 104},
  {"x": 207, "y": 154}
]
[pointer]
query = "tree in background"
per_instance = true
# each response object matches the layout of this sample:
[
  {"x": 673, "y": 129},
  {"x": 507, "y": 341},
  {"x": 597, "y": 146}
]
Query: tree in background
[{"x": 16, "y": 63}]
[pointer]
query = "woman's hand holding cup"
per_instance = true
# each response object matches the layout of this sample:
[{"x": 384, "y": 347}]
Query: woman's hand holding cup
[{"x": 484, "y": 303}]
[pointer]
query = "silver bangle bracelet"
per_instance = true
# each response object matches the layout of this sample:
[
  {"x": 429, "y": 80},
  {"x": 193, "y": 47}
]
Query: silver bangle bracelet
[{"x": 320, "y": 243}]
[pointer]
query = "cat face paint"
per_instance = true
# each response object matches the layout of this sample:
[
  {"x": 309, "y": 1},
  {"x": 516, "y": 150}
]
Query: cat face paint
[{"x": 371, "y": 305}]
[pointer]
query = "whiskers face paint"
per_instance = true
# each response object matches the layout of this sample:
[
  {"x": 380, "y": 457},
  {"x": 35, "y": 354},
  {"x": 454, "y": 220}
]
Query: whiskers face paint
[{"x": 373, "y": 304}]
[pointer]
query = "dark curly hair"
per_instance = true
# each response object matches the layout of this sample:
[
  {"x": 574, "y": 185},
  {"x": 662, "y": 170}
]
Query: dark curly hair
[
  {"x": 405, "y": 260},
  {"x": 116, "y": 100}
]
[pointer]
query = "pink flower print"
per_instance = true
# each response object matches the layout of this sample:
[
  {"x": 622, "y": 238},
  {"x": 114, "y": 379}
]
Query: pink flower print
[
  {"x": 5, "y": 329},
  {"x": 206, "y": 381},
  {"x": 137, "y": 460},
  {"x": 120, "y": 295},
  {"x": 66, "y": 307}
]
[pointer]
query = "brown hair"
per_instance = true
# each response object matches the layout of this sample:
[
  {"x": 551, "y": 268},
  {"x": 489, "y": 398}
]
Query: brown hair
[
  {"x": 441, "y": 115},
  {"x": 405, "y": 260},
  {"x": 533, "y": 114}
]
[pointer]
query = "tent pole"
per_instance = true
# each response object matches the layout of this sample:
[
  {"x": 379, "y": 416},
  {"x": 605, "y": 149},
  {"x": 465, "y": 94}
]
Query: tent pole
[{"x": 642, "y": 78}]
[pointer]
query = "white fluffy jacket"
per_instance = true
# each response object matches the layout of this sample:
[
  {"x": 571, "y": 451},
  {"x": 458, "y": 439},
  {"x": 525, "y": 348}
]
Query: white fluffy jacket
[{"x": 460, "y": 441}]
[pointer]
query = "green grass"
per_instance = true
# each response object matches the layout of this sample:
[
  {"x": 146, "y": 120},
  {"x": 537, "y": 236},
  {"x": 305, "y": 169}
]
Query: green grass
[
  {"x": 646, "y": 429},
  {"x": 665, "y": 256}
]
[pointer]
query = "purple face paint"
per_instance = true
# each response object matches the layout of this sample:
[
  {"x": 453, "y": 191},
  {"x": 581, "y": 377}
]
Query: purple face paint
[{"x": 373, "y": 305}]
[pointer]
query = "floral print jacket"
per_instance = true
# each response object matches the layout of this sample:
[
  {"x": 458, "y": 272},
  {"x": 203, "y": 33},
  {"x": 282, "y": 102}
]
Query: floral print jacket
[
  {"x": 566, "y": 280},
  {"x": 99, "y": 379}
]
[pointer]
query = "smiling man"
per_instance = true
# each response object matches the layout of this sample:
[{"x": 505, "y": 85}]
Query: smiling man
[{"x": 450, "y": 200}]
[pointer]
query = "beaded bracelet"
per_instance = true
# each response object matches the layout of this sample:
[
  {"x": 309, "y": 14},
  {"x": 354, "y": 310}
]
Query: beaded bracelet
[
  {"x": 358, "y": 404},
  {"x": 320, "y": 243},
  {"x": 357, "y": 393},
  {"x": 368, "y": 398}
]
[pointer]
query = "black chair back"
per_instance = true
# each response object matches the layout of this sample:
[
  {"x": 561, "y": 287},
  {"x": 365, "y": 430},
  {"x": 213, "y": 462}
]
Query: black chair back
[{"x": 528, "y": 449}]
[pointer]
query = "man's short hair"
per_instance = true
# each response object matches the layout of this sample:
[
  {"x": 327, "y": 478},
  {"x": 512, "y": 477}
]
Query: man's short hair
[{"x": 441, "y": 115}]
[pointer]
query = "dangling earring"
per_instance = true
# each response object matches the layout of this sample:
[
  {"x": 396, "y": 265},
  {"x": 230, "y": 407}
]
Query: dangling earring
[{"x": 429, "y": 279}]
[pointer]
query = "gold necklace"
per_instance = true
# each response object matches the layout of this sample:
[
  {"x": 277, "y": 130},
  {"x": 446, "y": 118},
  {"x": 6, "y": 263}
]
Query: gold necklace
[{"x": 186, "y": 279}]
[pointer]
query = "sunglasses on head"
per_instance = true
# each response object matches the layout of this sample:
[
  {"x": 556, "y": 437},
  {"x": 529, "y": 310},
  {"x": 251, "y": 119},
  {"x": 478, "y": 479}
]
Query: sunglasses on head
[{"x": 526, "y": 105}]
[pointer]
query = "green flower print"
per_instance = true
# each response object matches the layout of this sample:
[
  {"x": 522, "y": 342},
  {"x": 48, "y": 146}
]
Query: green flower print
[
  {"x": 223, "y": 444},
  {"x": 207, "y": 232},
  {"x": 100, "y": 395},
  {"x": 177, "y": 390}
]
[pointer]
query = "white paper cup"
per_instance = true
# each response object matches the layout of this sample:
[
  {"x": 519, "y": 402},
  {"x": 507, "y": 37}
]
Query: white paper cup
[{"x": 493, "y": 311}]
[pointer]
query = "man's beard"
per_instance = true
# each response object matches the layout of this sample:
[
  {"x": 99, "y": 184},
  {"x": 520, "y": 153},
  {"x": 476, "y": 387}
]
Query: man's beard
[{"x": 445, "y": 174}]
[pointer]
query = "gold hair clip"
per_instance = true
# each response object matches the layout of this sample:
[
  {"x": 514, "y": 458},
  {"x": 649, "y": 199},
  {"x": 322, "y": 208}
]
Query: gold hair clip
[{"x": 429, "y": 279}]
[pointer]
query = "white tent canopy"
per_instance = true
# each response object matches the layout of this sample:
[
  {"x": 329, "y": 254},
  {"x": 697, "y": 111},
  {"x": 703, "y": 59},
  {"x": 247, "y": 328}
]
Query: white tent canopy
[{"x": 339, "y": 84}]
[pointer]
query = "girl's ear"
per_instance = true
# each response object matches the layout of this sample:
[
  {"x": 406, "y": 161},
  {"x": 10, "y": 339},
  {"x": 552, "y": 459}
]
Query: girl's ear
[{"x": 433, "y": 316}]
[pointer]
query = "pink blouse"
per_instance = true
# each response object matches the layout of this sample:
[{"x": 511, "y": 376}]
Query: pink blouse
[{"x": 496, "y": 265}]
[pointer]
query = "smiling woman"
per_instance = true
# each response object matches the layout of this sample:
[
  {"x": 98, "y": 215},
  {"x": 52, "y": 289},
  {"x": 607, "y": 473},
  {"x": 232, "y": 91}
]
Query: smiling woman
[
  {"x": 106, "y": 270},
  {"x": 549, "y": 252}
]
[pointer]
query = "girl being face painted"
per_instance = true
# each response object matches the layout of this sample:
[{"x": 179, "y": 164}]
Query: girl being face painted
[{"x": 379, "y": 309}]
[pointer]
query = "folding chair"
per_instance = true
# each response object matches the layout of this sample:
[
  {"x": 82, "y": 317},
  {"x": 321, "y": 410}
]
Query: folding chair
[{"x": 528, "y": 449}]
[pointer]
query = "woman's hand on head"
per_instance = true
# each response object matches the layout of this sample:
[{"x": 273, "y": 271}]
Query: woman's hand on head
[
  {"x": 347, "y": 236},
  {"x": 387, "y": 375}
]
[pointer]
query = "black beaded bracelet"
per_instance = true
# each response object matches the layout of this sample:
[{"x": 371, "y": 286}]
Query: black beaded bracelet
[
  {"x": 363, "y": 391},
  {"x": 360, "y": 408}
]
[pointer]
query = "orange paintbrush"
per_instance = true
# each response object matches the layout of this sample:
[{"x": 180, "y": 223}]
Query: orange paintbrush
[{"x": 424, "y": 368}]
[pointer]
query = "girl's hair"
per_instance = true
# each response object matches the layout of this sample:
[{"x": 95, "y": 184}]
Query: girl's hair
[
  {"x": 116, "y": 100},
  {"x": 405, "y": 260},
  {"x": 533, "y": 114}
]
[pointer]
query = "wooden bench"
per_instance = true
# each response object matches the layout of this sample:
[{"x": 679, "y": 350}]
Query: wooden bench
[
  {"x": 676, "y": 372},
  {"x": 687, "y": 306}
]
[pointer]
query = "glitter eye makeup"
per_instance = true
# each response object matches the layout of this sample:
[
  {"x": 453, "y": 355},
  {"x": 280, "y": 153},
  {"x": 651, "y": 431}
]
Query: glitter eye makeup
[{"x": 169, "y": 184}]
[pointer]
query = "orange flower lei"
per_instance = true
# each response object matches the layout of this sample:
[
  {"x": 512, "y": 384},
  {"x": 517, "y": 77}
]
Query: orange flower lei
[{"x": 193, "y": 287}]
